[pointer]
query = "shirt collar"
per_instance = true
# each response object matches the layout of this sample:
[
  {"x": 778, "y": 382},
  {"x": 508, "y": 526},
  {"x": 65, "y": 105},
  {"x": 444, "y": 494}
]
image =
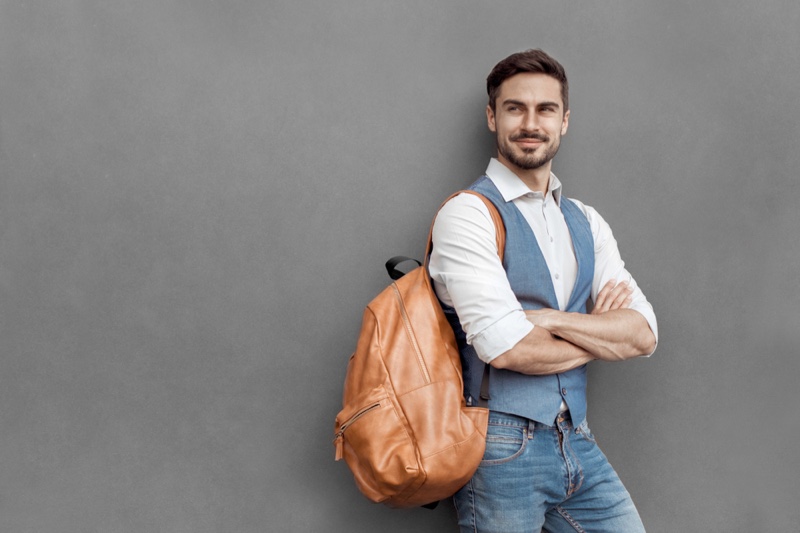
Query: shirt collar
[{"x": 511, "y": 187}]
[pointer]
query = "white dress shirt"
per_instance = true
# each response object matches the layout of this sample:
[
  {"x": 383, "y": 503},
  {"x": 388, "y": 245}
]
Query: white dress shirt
[{"x": 468, "y": 275}]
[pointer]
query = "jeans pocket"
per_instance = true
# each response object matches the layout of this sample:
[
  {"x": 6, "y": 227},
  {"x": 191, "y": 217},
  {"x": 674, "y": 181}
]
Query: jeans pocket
[{"x": 504, "y": 444}]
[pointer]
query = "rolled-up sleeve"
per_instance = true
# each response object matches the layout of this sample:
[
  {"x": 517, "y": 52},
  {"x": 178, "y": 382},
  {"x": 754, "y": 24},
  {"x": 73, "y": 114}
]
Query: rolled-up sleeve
[
  {"x": 468, "y": 275},
  {"x": 609, "y": 265}
]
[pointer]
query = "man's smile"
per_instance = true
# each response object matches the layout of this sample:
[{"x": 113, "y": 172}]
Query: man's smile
[{"x": 530, "y": 140}]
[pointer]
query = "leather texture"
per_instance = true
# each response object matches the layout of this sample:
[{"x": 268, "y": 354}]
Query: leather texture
[{"x": 405, "y": 430}]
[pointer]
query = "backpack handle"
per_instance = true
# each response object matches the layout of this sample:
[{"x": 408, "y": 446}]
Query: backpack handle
[
  {"x": 394, "y": 262},
  {"x": 500, "y": 232}
]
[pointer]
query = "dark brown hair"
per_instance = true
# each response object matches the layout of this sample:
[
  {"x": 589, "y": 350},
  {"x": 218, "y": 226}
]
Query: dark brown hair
[{"x": 535, "y": 61}]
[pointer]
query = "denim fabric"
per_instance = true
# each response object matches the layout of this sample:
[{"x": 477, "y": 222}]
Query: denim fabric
[{"x": 537, "y": 476}]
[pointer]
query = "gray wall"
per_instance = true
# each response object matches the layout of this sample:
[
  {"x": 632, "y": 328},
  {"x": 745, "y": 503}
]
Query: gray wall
[{"x": 196, "y": 199}]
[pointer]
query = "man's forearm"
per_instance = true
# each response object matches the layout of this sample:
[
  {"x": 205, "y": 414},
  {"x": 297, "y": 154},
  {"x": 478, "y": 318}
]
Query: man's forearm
[
  {"x": 541, "y": 353},
  {"x": 611, "y": 336}
]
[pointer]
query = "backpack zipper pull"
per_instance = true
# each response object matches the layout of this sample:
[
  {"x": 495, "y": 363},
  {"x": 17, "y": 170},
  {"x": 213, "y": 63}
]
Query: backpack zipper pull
[
  {"x": 339, "y": 443},
  {"x": 338, "y": 439}
]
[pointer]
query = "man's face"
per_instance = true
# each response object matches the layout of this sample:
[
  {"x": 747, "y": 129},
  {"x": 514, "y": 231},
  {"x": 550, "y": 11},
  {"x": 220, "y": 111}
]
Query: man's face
[{"x": 529, "y": 120}]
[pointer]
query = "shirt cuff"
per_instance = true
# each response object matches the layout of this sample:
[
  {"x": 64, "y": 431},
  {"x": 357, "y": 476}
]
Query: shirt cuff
[
  {"x": 501, "y": 336},
  {"x": 647, "y": 312}
]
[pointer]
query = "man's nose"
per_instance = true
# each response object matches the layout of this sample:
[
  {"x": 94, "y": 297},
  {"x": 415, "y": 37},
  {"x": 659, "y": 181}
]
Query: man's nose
[{"x": 530, "y": 122}]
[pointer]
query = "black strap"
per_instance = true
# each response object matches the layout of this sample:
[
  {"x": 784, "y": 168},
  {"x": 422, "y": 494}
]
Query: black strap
[
  {"x": 483, "y": 401},
  {"x": 391, "y": 266}
]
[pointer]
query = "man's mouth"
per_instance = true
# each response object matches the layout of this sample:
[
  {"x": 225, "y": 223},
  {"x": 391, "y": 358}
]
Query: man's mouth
[
  {"x": 533, "y": 139},
  {"x": 529, "y": 143}
]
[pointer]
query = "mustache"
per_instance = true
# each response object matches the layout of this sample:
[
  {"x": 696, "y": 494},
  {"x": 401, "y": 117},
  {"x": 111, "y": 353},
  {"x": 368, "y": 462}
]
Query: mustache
[{"x": 536, "y": 136}]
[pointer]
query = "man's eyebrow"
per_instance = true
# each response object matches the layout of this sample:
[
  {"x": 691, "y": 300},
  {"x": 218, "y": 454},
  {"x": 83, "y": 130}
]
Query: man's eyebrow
[
  {"x": 539, "y": 105},
  {"x": 549, "y": 104}
]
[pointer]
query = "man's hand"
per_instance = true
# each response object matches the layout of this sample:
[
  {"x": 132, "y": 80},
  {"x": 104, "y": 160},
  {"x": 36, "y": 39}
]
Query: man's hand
[{"x": 613, "y": 296}]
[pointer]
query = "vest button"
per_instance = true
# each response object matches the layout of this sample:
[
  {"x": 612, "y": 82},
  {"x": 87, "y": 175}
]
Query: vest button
[{"x": 564, "y": 391}]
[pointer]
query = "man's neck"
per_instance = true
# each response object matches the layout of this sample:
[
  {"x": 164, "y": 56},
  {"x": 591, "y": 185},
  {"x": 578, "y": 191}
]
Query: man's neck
[{"x": 537, "y": 179}]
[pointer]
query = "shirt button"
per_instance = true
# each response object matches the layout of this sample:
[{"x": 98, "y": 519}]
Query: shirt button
[
  {"x": 558, "y": 276},
  {"x": 551, "y": 239}
]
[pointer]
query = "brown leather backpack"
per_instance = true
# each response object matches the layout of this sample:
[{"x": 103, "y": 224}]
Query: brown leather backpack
[{"x": 405, "y": 430}]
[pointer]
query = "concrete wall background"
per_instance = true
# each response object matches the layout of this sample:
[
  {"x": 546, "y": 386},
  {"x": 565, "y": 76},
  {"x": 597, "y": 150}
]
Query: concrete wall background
[{"x": 196, "y": 199}]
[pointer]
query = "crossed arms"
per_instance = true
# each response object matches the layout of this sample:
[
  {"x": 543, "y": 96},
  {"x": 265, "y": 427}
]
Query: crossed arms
[
  {"x": 469, "y": 276},
  {"x": 561, "y": 341}
]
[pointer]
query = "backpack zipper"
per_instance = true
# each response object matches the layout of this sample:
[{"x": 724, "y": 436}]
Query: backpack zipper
[
  {"x": 410, "y": 332},
  {"x": 338, "y": 439}
]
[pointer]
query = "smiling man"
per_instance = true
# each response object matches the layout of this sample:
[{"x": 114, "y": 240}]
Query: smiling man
[{"x": 560, "y": 298}]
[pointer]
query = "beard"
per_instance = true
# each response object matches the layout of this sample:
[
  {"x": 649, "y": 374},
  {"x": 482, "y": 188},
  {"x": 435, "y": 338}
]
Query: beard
[{"x": 528, "y": 159}]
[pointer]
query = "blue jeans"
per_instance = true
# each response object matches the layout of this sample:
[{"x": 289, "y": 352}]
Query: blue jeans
[{"x": 536, "y": 476}]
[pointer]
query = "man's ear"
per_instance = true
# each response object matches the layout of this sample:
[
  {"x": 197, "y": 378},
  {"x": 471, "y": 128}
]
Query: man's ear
[
  {"x": 565, "y": 123},
  {"x": 490, "y": 119}
]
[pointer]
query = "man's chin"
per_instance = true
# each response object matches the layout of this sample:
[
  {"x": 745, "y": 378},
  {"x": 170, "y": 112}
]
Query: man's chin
[
  {"x": 531, "y": 160},
  {"x": 529, "y": 163}
]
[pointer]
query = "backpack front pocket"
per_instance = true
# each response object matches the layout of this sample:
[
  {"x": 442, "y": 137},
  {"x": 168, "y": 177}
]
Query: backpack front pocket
[{"x": 373, "y": 439}]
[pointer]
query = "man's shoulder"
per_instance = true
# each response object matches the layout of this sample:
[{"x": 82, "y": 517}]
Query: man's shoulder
[
  {"x": 462, "y": 202},
  {"x": 598, "y": 225},
  {"x": 588, "y": 211},
  {"x": 579, "y": 204}
]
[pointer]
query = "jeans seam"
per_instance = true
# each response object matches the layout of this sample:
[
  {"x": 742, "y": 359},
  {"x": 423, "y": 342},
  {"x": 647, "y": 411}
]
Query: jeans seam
[
  {"x": 502, "y": 423},
  {"x": 577, "y": 463},
  {"x": 571, "y": 521},
  {"x": 472, "y": 507}
]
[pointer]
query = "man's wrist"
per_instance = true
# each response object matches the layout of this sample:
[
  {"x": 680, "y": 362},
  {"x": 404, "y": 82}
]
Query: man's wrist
[
  {"x": 545, "y": 318},
  {"x": 556, "y": 321}
]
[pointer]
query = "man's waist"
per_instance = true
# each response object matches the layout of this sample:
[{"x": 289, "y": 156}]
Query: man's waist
[{"x": 510, "y": 419}]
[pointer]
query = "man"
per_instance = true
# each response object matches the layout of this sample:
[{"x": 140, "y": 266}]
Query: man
[{"x": 528, "y": 318}]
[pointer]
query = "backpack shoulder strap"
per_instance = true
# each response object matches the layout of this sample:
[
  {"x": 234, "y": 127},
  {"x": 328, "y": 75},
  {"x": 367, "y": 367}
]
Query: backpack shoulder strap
[
  {"x": 500, "y": 234},
  {"x": 499, "y": 226}
]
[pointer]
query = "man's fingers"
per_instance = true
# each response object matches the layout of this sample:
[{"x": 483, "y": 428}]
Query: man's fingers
[
  {"x": 621, "y": 297},
  {"x": 600, "y": 306},
  {"x": 612, "y": 296}
]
